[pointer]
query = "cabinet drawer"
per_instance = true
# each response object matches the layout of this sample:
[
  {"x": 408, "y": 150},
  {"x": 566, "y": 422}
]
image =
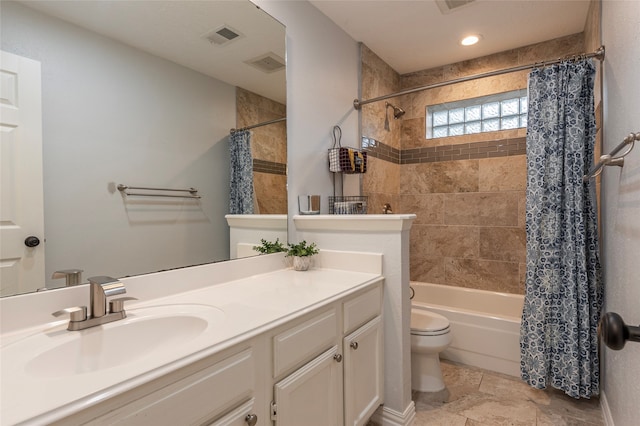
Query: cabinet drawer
[
  {"x": 303, "y": 342},
  {"x": 362, "y": 308},
  {"x": 204, "y": 395},
  {"x": 237, "y": 417}
]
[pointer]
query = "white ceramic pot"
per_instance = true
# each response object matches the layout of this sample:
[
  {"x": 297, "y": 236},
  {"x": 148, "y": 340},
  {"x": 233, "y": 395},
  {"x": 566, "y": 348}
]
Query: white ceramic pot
[{"x": 301, "y": 263}]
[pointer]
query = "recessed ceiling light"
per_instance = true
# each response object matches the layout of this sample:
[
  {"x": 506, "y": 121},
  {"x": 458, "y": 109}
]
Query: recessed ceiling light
[{"x": 470, "y": 40}]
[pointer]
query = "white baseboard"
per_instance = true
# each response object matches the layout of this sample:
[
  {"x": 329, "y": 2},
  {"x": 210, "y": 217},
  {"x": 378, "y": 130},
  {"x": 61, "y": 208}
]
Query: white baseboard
[
  {"x": 385, "y": 416},
  {"x": 606, "y": 411}
]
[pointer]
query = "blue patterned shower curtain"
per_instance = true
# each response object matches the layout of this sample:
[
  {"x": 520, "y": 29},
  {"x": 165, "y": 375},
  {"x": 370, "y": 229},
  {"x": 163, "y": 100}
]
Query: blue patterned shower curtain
[
  {"x": 563, "y": 286},
  {"x": 241, "y": 191}
]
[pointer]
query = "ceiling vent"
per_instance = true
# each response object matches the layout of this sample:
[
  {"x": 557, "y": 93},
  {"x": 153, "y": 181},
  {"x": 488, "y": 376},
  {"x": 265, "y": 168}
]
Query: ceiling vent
[
  {"x": 267, "y": 63},
  {"x": 223, "y": 35},
  {"x": 448, "y": 6}
]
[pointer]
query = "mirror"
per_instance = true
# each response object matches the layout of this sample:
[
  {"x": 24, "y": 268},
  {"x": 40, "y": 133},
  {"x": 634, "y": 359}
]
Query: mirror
[{"x": 141, "y": 94}]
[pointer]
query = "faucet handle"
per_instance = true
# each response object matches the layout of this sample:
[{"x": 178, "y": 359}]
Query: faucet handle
[
  {"x": 117, "y": 305},
  {"x": 77, "y": 313}
]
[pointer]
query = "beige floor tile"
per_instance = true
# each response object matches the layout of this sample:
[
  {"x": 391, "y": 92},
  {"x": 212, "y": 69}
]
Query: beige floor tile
[
  {"x": 485, "y": 408},
  {"x": 546, "y": 419},
  {"x": 512, "y": 388},
  {"x": 438, "y": 418},
  {"x": 562, "y": 405},
  {"x": 476, "y": 397}
]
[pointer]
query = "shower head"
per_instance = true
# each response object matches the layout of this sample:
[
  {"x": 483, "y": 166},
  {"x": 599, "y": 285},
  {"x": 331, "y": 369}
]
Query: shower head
[{"x": 397, "y": 113}]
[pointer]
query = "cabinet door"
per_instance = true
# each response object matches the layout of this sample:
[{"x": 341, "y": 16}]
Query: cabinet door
[
  {"x": 363, "y": 372},
  {"x": 312, "y": 395}
]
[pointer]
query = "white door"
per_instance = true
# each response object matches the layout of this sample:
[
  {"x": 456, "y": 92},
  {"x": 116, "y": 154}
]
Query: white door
[
  {"x": 21, "y": 194},
  {"x": 363, "y": 373},
  {"x": 312, "y": 395}
]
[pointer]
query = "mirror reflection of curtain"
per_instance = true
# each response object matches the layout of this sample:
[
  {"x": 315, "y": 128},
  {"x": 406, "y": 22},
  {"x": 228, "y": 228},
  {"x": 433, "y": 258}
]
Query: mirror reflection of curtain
[
  {"x": 241, "y": 190},
  {"x": 563, "y": 285}
]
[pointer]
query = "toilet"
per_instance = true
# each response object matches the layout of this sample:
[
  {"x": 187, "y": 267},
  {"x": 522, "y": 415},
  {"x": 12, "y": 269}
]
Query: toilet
[{"x": 430, "y": 335}]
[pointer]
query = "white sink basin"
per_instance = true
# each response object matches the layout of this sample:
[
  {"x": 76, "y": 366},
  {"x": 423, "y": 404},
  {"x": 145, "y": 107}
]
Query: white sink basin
[{"x": 62, "y": 353}]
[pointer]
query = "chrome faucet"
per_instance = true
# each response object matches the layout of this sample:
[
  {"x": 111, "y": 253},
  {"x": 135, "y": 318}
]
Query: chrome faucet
[
  {"x": 71, "y": 276},
  {"x": 99, "y": 289}
]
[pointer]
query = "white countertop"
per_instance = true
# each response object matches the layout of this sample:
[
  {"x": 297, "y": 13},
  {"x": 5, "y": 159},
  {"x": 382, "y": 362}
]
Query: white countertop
[{"x": 245, "y": 308}]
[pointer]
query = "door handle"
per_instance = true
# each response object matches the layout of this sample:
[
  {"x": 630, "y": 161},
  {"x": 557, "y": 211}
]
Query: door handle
[{"x": 32, "y": 241}]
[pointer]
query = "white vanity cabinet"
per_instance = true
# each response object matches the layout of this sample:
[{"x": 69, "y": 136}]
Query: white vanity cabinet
[
  {"x": 221, "y": 390},
  {"x": 363, "y": 373},
  {"x": 363, "y": 357},
  {"x": 340, "y": 380}
]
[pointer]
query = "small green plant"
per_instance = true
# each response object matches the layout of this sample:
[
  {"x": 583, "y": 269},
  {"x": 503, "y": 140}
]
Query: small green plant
[
  {"x": 267, "y": 247},
  {"x": 302, "y": 249}
]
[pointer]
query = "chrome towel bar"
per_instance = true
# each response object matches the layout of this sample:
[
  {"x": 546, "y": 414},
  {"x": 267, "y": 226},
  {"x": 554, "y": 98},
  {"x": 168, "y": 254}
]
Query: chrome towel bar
[
  {"x": 193, "y": 193},
  {"x": 610, "y": 160}
]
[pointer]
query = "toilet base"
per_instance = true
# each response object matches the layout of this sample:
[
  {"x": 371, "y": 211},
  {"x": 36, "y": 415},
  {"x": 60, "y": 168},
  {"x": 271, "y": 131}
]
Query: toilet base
[{"x": 426, "y": 375}]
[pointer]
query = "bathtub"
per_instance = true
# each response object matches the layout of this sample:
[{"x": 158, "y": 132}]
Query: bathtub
[{"x": 485, "y": 325}]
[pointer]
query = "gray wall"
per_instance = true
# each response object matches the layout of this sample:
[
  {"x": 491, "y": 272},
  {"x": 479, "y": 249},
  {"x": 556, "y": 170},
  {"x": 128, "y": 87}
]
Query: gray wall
[
  {"x": 621, "y": 203},
  {"x": 322, "y": 82},
  {"x": 113, "y": 114}
]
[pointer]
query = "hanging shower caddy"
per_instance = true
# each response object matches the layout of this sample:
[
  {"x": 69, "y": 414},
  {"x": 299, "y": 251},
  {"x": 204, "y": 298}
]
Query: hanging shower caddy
[{"x": 344, "y": 160}]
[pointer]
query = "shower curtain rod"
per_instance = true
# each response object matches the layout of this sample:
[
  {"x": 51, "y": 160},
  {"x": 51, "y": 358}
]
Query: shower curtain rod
[
  {"x": 277, "y": 120},
  {"x": 598, "y": 54}
]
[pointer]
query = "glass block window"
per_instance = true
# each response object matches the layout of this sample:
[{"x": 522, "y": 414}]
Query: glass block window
[{"x": 485, "y": 114}]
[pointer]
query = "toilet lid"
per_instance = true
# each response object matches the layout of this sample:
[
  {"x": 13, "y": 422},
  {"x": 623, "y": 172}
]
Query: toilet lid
[{"x": 424, "y": 321}]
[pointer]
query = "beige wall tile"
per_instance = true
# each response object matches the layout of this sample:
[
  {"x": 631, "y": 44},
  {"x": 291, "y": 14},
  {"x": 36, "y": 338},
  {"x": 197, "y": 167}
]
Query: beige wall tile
[
  {"x": 428, "y": 208},
  {"x": 427, "y": 270},
  {"x": 432, "y": 241},
  {"x": 523, "y": 277},
  {"x": 481, "y": 65},
  {"x": 481, "y": 208},
  {"x": 413, "y": 133},
  {"x": 482, "y": 274},
  {"x": 503, "y": 243},
  {"x": 503, "y": 173},
  {"x": 522, "y": 208},
  {"x": 271, "y": 192},
  {"x": 442, "y": 177},
  {"x": 552, "y": 49},
  {"x": 381, "y": 177}
]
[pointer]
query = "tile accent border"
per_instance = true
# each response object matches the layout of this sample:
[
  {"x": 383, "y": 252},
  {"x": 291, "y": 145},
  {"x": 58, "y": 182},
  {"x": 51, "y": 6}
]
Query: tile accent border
[
  {"x": 466, "y": 151},
  {"x": 271, "y": 167}
]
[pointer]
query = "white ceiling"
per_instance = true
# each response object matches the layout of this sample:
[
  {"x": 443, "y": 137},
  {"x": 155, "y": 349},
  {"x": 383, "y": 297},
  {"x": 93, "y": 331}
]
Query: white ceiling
[
  {"x": 408, "y": 35},
  {"x": 174, "y": 30},
  {"x": 414, "y": 35}
]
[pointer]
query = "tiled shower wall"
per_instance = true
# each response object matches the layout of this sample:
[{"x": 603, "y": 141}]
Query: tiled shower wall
[
  {"x": 269, "y": 149},
  {"x": 468, "y": 192}
]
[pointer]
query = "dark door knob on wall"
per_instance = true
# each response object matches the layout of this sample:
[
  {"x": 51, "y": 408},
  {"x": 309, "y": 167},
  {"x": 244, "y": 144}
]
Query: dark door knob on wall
[
  {"x": 615, "y": 333},
  {"x": 32, "y": 241}
]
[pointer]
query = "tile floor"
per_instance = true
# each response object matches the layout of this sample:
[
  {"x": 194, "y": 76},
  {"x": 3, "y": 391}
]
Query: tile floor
[{"x": 476, "y": 397}]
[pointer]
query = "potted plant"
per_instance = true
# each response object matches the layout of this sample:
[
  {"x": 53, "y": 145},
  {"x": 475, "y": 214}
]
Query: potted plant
[
  {"x": 301, "y": 254},
  {"x": 267, "y": 247}
]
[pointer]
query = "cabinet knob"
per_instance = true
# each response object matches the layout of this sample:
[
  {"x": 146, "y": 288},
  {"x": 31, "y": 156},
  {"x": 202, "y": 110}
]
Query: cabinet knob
[
  {"x": 354, "y": 345},
  {"x": 338, "y": 357},
  {"x": 251, "y": 419}
]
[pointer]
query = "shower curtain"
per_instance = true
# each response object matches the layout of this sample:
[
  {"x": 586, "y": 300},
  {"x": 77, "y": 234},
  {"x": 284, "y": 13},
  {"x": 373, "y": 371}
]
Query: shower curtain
[
  {"x": 241, "y": 190},
  {"x": 563, "y": 288}
]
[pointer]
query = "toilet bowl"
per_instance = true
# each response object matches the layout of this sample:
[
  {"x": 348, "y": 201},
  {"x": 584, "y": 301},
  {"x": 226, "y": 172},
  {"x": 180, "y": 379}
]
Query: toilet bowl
[{"x": 430, "y": 335}]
